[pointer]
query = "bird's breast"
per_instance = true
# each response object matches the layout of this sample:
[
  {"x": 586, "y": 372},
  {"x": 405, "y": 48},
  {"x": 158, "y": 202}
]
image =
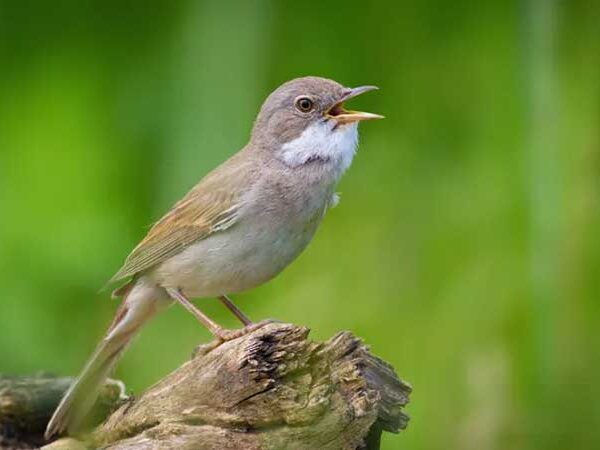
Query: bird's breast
[{"x": 275, "y": 226}]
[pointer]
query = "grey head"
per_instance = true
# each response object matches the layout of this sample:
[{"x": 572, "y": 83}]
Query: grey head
[{"x": 304, "y": 118}]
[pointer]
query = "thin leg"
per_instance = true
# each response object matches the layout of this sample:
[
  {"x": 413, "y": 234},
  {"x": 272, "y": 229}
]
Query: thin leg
[
  {"x": 235, "y": 310},
  {"x": 212, "y": 326},
  {"x": 219, "y": 332}
]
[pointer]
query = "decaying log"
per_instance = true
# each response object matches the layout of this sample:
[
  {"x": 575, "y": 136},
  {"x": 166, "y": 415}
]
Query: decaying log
[
  {"x": 272, "y": 389},
  {"x": 26, "y": 404}
]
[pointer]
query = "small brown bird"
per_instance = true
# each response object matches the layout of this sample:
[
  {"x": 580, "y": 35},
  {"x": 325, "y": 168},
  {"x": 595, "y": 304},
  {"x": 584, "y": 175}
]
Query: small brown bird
[{"x": 236, "y": 229}]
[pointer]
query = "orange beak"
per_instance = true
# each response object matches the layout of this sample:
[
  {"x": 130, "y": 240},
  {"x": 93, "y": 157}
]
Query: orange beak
[{"x": 343, "y": 116}]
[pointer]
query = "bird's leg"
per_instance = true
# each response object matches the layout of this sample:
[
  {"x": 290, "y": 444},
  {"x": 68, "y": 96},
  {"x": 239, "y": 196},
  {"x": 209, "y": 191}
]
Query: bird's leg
[
  {"x": 249, "y": 325},
  {"x": 216, "y": 329},
  {"x": 235, "y": 310}
]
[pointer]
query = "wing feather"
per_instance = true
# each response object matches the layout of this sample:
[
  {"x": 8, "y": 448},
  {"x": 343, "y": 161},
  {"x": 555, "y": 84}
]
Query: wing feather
[{"x": 212, "y": 206}]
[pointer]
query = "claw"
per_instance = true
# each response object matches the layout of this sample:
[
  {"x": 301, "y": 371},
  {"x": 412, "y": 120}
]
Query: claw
[
  {"x": 223, "y": 335},
  {"x": 228, "y": 335}
]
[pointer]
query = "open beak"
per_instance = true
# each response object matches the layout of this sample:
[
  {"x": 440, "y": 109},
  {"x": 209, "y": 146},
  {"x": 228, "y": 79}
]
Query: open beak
[{"x": 343, "y": 116}]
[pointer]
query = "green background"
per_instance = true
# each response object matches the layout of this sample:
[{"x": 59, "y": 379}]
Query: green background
[{"x": 465, "y": 250}]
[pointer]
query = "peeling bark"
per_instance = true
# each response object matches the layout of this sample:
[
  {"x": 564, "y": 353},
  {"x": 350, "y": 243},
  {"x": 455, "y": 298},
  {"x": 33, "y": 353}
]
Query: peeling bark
[{"x": 272, "y": 389}]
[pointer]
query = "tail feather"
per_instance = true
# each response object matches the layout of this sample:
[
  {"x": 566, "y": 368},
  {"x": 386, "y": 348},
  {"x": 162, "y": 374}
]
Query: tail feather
[
  {"x": 83, "y": 393},
  {"x": 137, "y": 308}
]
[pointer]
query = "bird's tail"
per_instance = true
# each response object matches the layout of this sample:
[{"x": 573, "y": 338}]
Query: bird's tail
[{"x": 81, "y": 396}]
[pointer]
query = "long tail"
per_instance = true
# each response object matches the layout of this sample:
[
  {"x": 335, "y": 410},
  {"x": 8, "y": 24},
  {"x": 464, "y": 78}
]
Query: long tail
[{"x": 134, "y": 312}]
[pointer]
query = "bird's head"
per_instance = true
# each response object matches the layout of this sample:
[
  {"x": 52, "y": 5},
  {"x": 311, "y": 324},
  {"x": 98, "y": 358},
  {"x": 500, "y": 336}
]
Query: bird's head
[{"x": 304, "y": 121}]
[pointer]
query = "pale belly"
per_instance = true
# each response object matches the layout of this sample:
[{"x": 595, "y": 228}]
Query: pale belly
[{"x": 235, "y": 260}]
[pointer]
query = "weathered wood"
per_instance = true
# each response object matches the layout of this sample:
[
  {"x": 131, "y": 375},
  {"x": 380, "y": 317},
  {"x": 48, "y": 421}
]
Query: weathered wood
[
  {"x": 26, "y": 404},
  {"x": 272, "y": 389}
]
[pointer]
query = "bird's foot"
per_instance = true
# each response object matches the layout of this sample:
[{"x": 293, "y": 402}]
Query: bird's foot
[
  {"x": 223, "y": 335},
  {"x": 228, "y": 335}
]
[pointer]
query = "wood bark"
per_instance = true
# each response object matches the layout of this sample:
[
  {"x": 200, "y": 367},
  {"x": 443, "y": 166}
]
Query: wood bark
[
  {"x": 272, "y": 389},
  {"x": 26, "y": 404}
]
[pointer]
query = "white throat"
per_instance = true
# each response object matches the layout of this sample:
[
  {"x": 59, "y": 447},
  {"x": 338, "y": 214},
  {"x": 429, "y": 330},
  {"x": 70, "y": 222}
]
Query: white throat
[{"x": 324, "y": 141}]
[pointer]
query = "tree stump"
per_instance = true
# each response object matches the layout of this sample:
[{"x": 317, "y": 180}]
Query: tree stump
[
  {"x": 26, "y": 404},
  {"x": 272, "y": 389}
]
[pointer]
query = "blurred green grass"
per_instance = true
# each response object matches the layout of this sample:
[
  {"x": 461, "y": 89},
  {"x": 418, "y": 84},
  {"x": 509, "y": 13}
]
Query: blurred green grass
[{"x": 465, "y": 249}]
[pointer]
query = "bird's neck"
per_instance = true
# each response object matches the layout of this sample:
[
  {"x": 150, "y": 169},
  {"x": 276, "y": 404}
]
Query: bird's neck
[{"x": 322, "y": 144}]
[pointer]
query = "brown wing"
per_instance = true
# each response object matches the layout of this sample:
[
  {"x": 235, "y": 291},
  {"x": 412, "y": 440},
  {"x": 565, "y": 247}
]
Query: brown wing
[{"x": 213, "y": 205}]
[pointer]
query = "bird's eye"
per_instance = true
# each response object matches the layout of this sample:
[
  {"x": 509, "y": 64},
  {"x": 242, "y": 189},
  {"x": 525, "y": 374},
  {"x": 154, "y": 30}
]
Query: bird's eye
[{"x": 304, "y": 104}]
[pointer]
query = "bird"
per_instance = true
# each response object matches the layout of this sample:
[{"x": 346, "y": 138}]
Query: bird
[{"x": 239, "y": 227}]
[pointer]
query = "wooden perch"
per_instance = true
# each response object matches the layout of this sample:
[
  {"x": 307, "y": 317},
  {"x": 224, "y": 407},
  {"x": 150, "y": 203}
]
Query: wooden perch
[
  {"x": 26, "y": 404},
  {"x": 272, "y": 389}
]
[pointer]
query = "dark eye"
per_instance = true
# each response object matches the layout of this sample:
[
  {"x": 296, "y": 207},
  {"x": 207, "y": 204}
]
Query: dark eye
[{"x": 304, "y": 104}]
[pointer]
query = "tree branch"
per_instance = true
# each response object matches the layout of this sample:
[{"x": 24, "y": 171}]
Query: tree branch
[{"x": 271, "y": 389}]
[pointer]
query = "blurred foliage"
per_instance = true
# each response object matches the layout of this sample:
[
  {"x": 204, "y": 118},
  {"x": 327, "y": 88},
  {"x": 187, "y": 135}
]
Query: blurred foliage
[{"x": 466, "y": 248}]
